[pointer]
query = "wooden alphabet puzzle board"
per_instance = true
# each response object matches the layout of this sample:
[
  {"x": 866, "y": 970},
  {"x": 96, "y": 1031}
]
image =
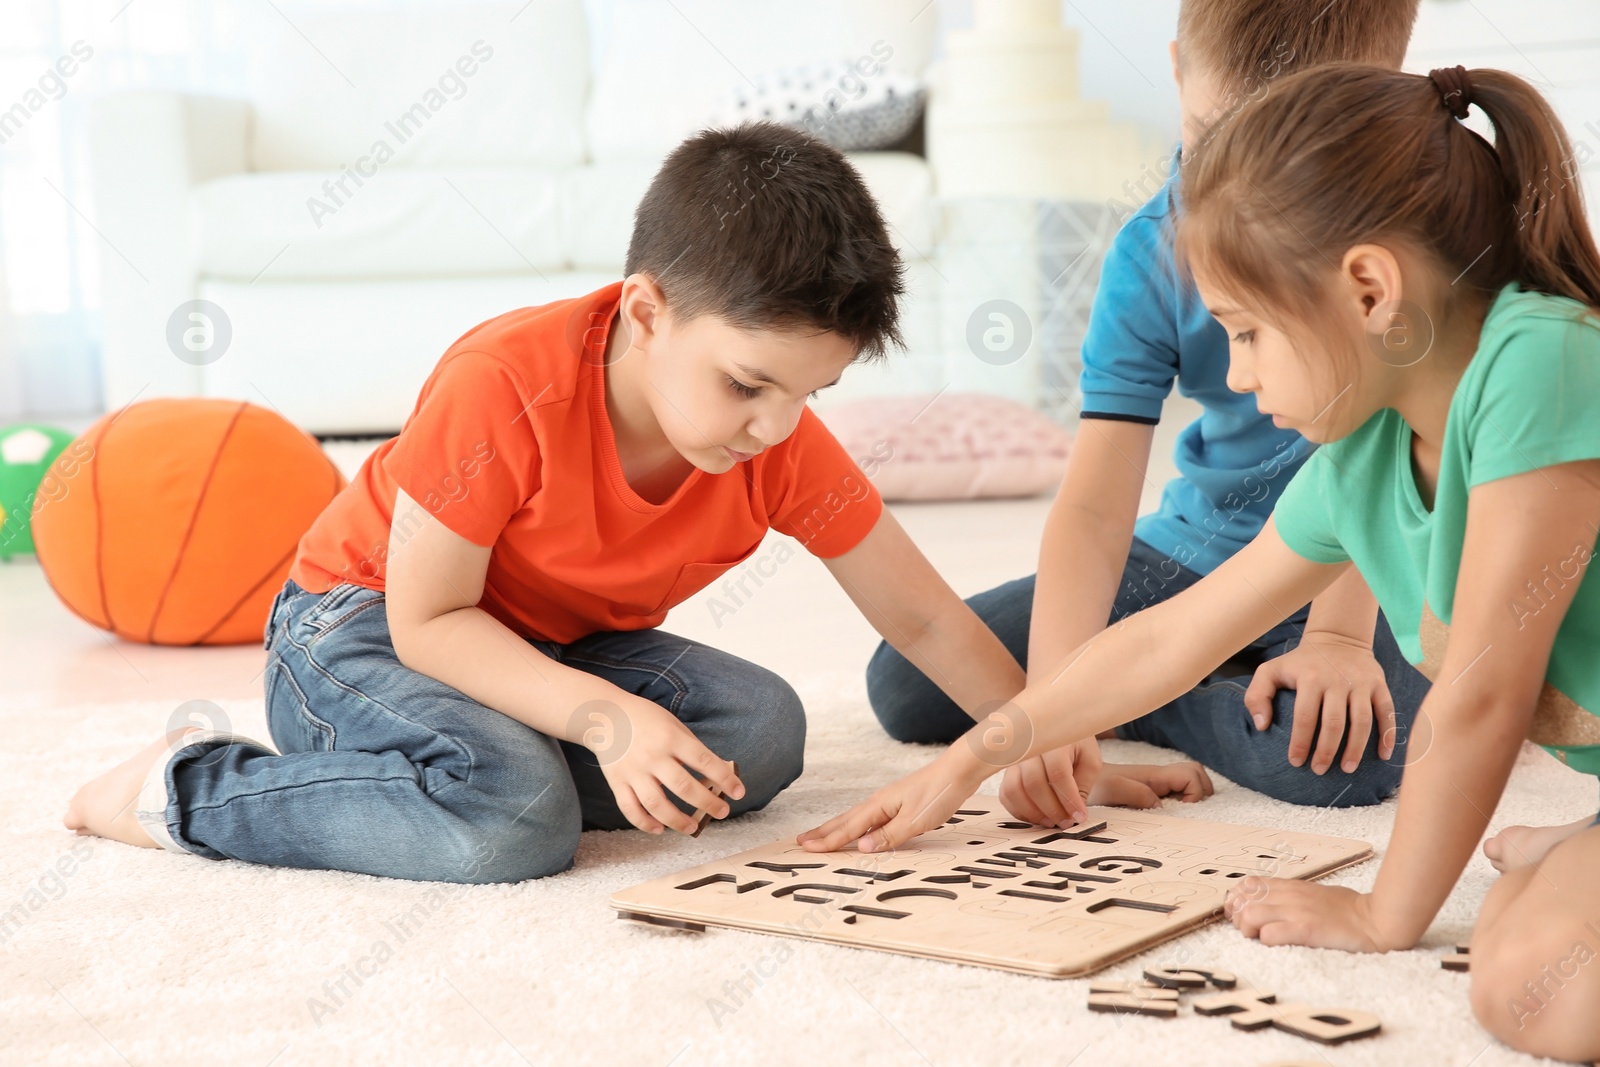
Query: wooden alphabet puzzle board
[{"x": 988, "y": 890}]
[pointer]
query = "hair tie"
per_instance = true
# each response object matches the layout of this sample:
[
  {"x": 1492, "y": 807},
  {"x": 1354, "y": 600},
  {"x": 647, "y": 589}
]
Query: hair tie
[{"x": 1455, "y": 88}]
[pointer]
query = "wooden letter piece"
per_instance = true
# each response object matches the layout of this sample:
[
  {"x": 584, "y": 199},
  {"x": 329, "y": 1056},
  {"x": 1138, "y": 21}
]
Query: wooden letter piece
[
  {"x": 1459, "y": 960},
  {"x": 1249, "y": 1009},
  {"x": 1126, "y": 987},
  {"x": 1133, "y": 998},
  {"x": 702, "y": 816},
  {"x": 1190, "y": 977},
  {"x": 661, "y": 920},
  {"x": 1330, "y": 1026}
]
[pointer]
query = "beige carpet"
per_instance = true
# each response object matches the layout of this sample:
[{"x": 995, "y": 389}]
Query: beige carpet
[{"x": 145, "y": 958}]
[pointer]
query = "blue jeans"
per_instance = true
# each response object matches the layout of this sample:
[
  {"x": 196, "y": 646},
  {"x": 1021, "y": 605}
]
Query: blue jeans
[
  {"x": 1209, "y": 723},
  {"x": 387, "y": 771}
]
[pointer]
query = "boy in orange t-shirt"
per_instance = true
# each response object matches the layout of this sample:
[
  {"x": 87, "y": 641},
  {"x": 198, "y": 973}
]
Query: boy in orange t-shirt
[{"x": 464, "y": 669}]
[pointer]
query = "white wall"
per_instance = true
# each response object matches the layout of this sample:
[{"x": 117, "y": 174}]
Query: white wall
[
  {"x": 1123, "y": 55},
  {"x": 1554, "y": 43}
]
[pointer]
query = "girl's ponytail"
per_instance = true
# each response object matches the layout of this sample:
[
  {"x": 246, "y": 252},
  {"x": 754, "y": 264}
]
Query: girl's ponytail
[
  {"x": 1344, "y": 154},
  {"x": 1555, "y": 245}
]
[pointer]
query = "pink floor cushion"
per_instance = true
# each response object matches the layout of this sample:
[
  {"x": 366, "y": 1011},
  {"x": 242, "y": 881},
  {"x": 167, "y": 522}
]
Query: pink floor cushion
[{"x": 955, "y": 446}]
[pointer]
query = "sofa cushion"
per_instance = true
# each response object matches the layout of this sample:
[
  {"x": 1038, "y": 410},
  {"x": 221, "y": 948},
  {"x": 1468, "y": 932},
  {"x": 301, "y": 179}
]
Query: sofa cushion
[
  {"x": 597, "y": 206},
  {"x": 903, "y": 186},
  {"x": 448, "y": 85},
  {"x": 598, "y": 202},
  {"x": 349, "y": 358},
  {"x": 951, "y": 446},
  {"x": 416, "y": 223},
  {"x": 668, "y": 68},
  {"x": 855, "y": 106},
  {"x": 400, "y": 223}
]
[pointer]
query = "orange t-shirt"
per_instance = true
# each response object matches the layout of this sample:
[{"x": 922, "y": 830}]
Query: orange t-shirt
[{"x": 510, "y": 446}]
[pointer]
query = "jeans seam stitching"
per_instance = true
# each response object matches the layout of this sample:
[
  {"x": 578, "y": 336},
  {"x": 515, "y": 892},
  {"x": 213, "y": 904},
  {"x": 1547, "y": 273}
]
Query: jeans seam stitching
[
  {"x": 305, "y": 651},
  {"x": 1222, "y": 681},
  {"x": 326, "y": 602},
  {"x": 327, "y": 628},
  {"x": 668, "y": 673},
  {"x": 296, "y": 785},
  {"x": 317, "y": 722}
]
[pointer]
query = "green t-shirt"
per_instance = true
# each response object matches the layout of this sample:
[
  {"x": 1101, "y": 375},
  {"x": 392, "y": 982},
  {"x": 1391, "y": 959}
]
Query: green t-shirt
[{"x": 1529, "y": 398}]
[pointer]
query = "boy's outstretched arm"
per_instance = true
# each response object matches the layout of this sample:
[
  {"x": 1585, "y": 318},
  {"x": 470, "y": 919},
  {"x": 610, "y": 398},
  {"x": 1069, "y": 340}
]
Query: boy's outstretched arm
[
  {"x": 1086, "y": 540},
  {"x": 1150, "y": 658},
  {"x": 1082, "y": 557},
  {"x": 905, "y": 599},
  {"x": 433, "y": 583}
]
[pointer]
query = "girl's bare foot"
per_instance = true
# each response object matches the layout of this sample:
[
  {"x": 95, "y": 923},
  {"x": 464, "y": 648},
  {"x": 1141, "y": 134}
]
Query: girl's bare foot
[
  {"x": 105, "y": 806},
  {"x": 1523, "y": 846}
]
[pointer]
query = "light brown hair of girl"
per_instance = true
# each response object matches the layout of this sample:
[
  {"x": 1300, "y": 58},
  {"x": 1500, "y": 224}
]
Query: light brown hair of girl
[{"x": 1347, "y": 154}]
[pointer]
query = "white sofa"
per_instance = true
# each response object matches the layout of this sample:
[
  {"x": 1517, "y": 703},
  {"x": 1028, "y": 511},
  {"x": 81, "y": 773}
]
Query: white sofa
[{"x": 513, "y": 182}]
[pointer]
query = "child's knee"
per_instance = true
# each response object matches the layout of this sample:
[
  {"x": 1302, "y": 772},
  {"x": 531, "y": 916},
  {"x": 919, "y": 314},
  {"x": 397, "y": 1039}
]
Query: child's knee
[
  {"x": 1536, "y": 987},
  {"x": 512, "y": 848},
  {"x": 771, "y": 755},
  {"x": 1373, "y": 781},
  {"x": 909, "y": 706},
  {"x": 892, "y": 685},
  {"x": 1536, "y": 965}
]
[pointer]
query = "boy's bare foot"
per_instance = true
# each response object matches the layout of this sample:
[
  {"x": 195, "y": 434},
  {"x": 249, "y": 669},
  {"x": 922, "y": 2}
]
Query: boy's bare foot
[
  {"x": 105, "y": 806},
  {"x": 1523, "y": 846}
]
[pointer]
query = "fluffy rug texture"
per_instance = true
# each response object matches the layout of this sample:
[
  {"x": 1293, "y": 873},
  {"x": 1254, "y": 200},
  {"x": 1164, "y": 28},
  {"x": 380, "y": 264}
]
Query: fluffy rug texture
[
  {"x": 122, "y": 956},
  {"x": 143, "y": 957}
]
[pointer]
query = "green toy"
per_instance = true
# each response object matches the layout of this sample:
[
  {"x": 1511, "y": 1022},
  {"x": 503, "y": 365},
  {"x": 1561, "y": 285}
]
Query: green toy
[{"x": 26, "y": 452}]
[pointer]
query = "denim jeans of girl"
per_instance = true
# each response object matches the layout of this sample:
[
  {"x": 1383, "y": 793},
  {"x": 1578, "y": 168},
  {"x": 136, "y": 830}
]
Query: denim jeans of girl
[{"x": 383, "y": 770}]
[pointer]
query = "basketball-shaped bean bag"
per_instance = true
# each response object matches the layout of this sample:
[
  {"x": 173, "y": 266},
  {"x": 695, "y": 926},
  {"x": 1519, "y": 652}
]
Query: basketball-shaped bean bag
[{"x": 174, "y": 521}]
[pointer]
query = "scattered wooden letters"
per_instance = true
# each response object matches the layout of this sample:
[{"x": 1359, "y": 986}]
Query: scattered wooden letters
[{"x": 1246, "y": 1008}]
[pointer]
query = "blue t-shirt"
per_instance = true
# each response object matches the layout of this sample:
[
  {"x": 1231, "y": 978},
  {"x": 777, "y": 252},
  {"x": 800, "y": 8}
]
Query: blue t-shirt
[{"x": 1148, "y": 327}]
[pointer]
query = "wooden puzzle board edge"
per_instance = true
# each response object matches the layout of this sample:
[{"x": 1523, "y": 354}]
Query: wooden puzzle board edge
[{"x": 1077, "y": 901}]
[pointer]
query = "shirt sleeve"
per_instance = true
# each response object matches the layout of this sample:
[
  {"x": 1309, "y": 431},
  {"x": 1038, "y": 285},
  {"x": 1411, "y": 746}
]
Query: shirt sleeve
[
  {"x": 1302, "y": 516},
  {"x": 815, "y": 492},
  {"x": 1130, "y": 351},
  {"x": 468, "y": 453},
  {"x": 1540, "y": 403}
]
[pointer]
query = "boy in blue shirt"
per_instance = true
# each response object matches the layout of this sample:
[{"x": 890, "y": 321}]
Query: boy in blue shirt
[{"x": 1329, "y": 682}]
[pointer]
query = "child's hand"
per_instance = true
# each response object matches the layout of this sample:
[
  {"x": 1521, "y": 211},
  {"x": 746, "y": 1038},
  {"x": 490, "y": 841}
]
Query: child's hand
[
  {"x": 1287, "y": 911},
  {"x": 655, "y": 756},
  {"x": 1053, "y": 789},
  {"x": 897, "y": 812},
  {"x": 1337, "y": 678},
  {"x": 1056, "y": 788},
  {"x": 1143, "y": 785}
]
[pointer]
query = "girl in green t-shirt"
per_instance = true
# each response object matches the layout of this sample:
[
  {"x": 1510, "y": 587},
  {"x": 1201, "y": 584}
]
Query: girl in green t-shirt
[{"x": 1428, "y": 306}]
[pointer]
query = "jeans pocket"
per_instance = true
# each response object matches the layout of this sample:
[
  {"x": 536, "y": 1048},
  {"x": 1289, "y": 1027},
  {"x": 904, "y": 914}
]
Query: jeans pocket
[
  {"x": 283, "y": 608},
  {"x": 272, "y": 617},
  {"x": 290, "y": 720},
  {"x": 337, "y": 605}
]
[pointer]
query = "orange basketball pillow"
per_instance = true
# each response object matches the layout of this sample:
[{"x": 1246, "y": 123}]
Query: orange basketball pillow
[{"x": 174, "y": 521}]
